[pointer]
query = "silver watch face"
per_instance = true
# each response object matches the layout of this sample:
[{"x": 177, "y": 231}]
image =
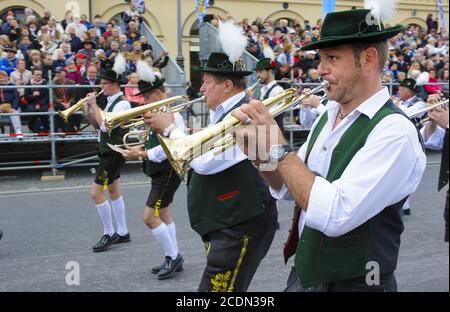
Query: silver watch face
[{"x": 276, "y": 152}]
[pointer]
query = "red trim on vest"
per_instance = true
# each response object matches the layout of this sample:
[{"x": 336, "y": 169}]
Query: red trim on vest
[{"x": 227, "y": 196}]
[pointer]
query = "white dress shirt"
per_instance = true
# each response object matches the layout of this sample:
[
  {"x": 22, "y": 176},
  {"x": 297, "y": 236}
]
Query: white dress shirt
[
  {"x": 436, "y": 139},
  {"x": 120, "y": 106},
  {"x": 412, "y": 105},
  {"x": 308, "y": 115},
  {"x": 384, "y": 171},
  {"x": 275, "y": 91},
  {"x": 157, "y": 154}
]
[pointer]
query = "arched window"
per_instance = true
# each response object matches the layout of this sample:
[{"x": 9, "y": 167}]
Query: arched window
[
  {"x": 194, "y": 29},
  {"x": 19, "y": 13}
]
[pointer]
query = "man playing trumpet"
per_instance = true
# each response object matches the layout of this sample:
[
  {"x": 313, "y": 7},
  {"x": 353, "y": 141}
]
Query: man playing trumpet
[
  {"x": 229, "y": 204},
  {"x": 165, "y": 182},
  {"x": 108, "y": 171},
  {"x": 350, "y": 179}
]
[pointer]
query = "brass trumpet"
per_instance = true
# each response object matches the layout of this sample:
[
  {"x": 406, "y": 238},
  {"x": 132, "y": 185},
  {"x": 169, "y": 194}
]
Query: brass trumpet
[
  {"x": 442, "y": 104},
  {"x": 65, "y": 114},
  {"x": 111, "y": 120},
  {"x": 181, "y": 152},
  {"x": 252, "y": 88}
]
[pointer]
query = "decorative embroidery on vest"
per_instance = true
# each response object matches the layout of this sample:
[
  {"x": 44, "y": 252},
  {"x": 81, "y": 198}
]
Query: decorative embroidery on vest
[{"x": 227, "y": 196}]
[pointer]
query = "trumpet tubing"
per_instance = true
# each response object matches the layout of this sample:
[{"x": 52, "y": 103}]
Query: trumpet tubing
[
  {"x": 429, "y": 108},
  {"x": 123, "y": 118},
  {"x": 65, "y": 114}
]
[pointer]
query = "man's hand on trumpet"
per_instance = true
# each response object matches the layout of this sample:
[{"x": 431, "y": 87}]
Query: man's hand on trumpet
[
  {"x": 259, "y": 133},
  {"x": 159, "y": 121},
  {"x": 312, "y": 101},
  {"x": 439, "y": 115},
  {"x": 134, "y": 153}
]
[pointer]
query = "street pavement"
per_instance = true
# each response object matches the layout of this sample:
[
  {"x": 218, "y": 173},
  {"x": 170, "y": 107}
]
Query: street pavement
[{"x": 50, "y": 228}]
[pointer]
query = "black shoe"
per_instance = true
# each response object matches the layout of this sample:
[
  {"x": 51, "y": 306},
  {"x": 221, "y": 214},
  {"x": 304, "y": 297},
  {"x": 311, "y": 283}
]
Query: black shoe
[
  {"x": 157, "y": 269},
  {"x": 1, "y": 234},
  {"x": 122, "y": 238},
  {"x": 407, "y": 212},
  {"x": 170, "y": 267},
  {"x": 105, "y": 242},
  {"x": 277, "y": 227}
]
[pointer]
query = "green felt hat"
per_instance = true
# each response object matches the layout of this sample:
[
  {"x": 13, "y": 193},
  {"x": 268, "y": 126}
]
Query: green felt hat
[
  {"x": 410, "y": 84},
  {"x": 145, "y": 86},
  {"x": 219, "y": 64},
  {"x": 265, "y": 64},
  {"x": 352, "y": 26}
]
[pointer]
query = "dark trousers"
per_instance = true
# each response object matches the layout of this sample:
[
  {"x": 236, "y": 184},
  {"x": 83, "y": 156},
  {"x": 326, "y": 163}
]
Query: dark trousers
[
  {"x": 233, "y": 254},
  {"x": 388, "y": 283}
]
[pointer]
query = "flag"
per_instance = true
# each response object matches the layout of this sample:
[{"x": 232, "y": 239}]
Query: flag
[
  {"x": 441, "y": 9},
  {"x": 200, "y": 8}
]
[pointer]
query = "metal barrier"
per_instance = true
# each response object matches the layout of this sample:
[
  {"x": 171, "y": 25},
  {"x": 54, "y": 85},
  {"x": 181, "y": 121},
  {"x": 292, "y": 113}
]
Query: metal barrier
[
  {"x": 52, "y": 138},
  {"x": 209, "y": 42},
  {"x": 172, "y": 72}
]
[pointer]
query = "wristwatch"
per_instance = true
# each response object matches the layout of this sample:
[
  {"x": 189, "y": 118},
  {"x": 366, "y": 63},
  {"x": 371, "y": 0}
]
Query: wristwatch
[
  {"x": 166, "y": 132},
  {"x": 278, "y": 152}
]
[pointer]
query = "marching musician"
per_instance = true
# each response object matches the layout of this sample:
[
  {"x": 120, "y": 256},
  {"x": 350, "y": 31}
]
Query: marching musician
[
  {"x": 108, "y": 171},
  {"x": 362, "y": 159},
  {"x": 165, "y": 181},
  {"x": 229, "y": 204}
]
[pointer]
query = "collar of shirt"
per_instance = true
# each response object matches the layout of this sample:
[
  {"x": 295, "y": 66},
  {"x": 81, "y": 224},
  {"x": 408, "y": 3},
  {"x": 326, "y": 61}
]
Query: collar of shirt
[
  {"x": 112, "y": 98},
  {"x": 410, "y": 101},
  {"x": 265, "y": 88},
  {"x": 225, "y": 107},
  {"x": 369, "y": 107}
]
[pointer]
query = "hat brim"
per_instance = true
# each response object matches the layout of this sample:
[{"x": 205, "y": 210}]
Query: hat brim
[
  {"x": 109, "y": 78},
  {"x": 264, "y": 68},
  {"x": 331, "y": 42},
  {"x": 415, "y": 90},
  {"x": 223, "y": 72},
  {"x": 9, "y": 50},
  {"x": 153, "y": 87}
]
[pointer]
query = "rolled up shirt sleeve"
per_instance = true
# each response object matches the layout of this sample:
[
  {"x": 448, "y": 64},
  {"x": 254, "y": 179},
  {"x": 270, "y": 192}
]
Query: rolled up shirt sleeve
[{"x": 436, "y": 140}]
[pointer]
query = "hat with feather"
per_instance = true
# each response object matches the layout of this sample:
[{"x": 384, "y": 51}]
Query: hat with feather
[
  {"x": 230, "y": 63},
  {"x": 115, "y": 74},
  {"x": 149, "y": 80},
  {"x": 357, "y": 26},
  {"x": 415, "y": 84}
]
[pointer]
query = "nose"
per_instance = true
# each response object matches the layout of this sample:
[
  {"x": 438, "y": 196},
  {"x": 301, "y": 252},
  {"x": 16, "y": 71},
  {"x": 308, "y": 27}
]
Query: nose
[
  {"x": 202, "y": 88},
  {"x": 321, "y": 69}
]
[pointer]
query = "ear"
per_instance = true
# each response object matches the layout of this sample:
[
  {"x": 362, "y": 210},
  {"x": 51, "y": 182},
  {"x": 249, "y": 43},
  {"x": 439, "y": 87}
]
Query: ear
[
  {"x": 369, "y": 59},
  {"x": 228, "y": 86}
]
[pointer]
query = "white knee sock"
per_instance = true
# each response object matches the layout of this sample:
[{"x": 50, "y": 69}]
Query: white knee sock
[
  {"x": 118, "y": 208},
  {"x": 162, "y": 235},
  {"x": 17, "y": 125},
  {"x": 104, "y": 211},
  {"x": 173, "y": 235}
]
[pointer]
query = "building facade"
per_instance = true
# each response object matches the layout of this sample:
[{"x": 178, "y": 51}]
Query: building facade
[{"x": 161, "y": 15}]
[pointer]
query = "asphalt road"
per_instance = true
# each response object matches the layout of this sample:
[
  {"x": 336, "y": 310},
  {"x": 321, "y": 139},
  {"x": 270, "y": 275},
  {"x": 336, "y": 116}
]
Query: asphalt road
[{"x": 51, "y": 226}]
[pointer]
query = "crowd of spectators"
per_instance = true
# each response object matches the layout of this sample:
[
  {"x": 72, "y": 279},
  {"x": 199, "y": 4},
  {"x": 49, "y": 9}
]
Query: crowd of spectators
[
  {"x": 36, "y": 47},
  {"x": 75, "y": 50}
]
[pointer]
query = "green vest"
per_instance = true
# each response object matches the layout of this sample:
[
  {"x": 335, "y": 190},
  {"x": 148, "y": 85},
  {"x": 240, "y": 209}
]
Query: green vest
[
  {"x": 117, "y": 133},
  {"x": 224, "y": 199},
  {"x": 151, "y": 167},
  {"x": 320, "y": 259},
  {"x": 227, "y": 198}
]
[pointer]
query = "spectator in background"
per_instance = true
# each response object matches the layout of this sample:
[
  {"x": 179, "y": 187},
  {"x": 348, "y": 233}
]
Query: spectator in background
[
  {"x": 88, "y": 51},
  {"x": 21, "y": 76},
  {"x": 84, "y": 20},
  {"x": 98, "y": 27},
  {"x": 105, "y": 63},
  {"x": 48, "y": 46},
  {"x": 72, "y": 72},
  {"x": 53, "y": 31},
  {"x": 58, "y": 58},
  {"x": 36, "y": 100},
  {"x": 432, "y": 23},
  {"x": 8, "y": 63},
  {"x": 433, "y": 86},
  {"x": 74, "y": 40},
  {"x": 34, "y": 60},
  {"x": 132, "y": 94},
  {"x": 45, "y": 17},
  {"x": 63, "y": 98},
  {"x": 47, "y": 66},
  {"x": 144, "y": 44},
  {"x": 79, "y": 28},
  {"x": 9, "y": 103},
  {"x": 92, "y": 79},
  {"x": 123, "y": 44},
  {"x": 443, "y": 78}
]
